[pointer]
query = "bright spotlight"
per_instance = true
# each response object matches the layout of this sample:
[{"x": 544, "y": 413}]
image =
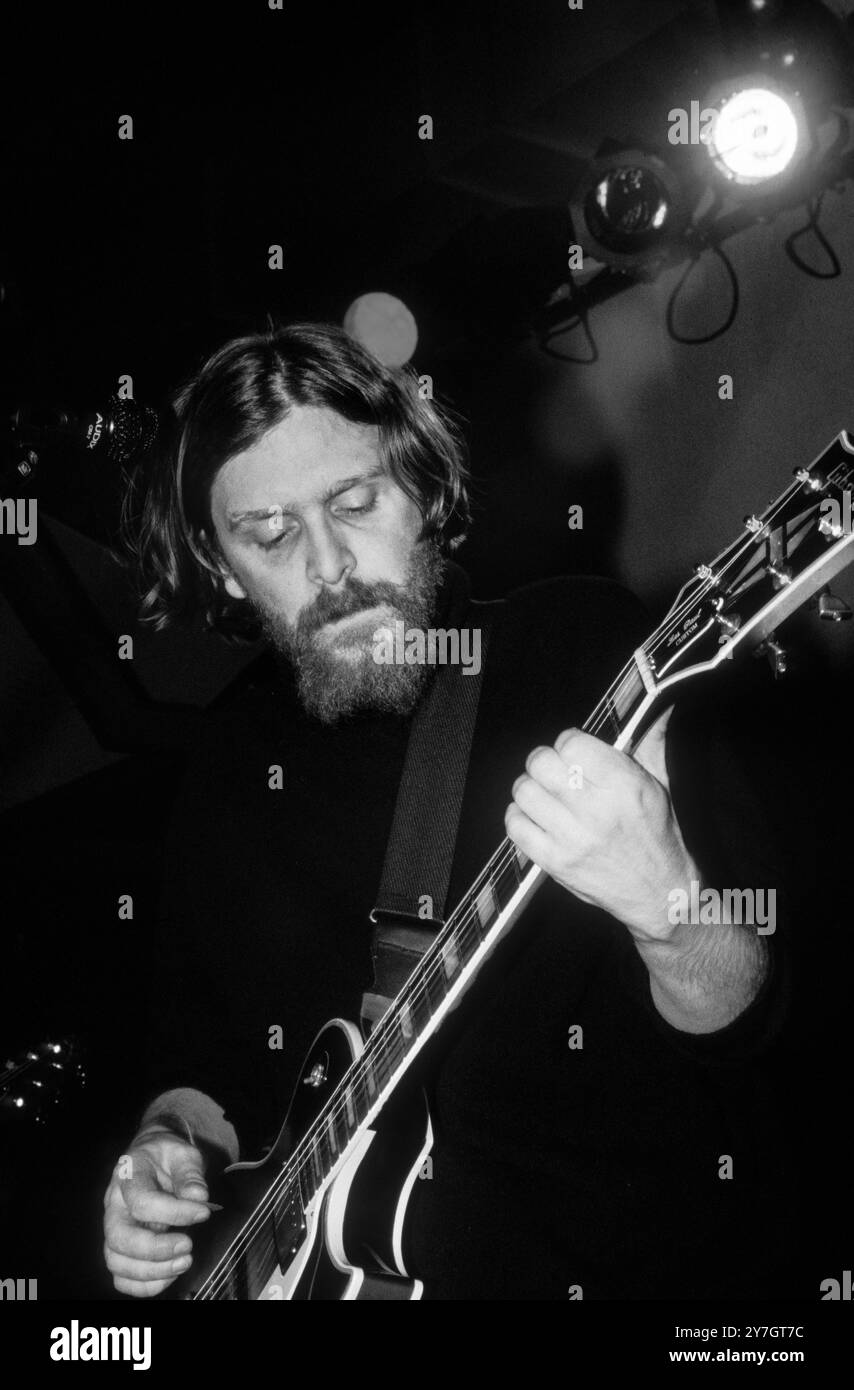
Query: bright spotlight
[
  {"x": 628, "y": 209},
  {"x": 757, "y": 132},
  {"x": 383, "y": 324}
]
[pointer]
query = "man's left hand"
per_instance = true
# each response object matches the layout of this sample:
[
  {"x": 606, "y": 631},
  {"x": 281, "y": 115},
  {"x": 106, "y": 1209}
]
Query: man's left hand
[{"x": 602, "y": 824}]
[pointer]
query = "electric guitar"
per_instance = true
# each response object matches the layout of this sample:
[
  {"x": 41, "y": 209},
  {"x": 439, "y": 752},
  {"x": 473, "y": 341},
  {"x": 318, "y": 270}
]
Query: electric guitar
[{"x": 300, "y": 1223}]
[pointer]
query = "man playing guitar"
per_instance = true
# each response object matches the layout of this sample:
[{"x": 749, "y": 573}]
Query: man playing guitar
[{"x": 590, "y": 1090}]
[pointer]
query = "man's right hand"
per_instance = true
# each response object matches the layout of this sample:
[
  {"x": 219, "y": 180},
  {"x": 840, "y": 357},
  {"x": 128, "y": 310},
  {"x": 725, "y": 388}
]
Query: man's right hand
[{"x": 158, "y": 1184}]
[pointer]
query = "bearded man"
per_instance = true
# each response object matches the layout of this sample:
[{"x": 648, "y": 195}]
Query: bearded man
[{"x": 312, "y": 497}]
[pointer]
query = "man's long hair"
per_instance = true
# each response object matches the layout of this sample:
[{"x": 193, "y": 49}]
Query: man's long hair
[{"x": 244, "y": 389}]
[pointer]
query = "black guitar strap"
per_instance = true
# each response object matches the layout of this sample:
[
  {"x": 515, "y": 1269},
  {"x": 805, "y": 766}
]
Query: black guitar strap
[{"x": 410, "y": 906}]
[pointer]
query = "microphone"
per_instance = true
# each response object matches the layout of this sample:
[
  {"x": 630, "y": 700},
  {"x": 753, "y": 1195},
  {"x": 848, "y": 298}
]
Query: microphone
[{"x": 120, "y": 432}]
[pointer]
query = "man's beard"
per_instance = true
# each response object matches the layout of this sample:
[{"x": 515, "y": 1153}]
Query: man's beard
[{"x": 330, "y": 684}]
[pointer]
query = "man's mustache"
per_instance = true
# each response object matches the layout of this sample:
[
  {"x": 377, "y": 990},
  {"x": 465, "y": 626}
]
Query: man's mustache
[{"x": 356, "y": 598}]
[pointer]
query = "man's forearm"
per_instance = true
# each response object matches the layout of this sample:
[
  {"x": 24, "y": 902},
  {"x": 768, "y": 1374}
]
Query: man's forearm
[
  {"x": 190, "y": 1109},
  {"x": 703, "y": 977}
]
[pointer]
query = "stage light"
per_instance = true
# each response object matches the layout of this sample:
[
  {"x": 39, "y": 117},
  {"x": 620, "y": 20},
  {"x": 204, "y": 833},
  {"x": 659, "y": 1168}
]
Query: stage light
[
  {"x": 628, "y": 209},
  {"x": 758, "y": 133},
  {"x": 384, "y": 325},
  {"x": 787, "y": 64}
]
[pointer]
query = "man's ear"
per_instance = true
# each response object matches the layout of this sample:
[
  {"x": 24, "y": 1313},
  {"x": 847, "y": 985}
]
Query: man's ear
[{"x": 232, "y": 586}]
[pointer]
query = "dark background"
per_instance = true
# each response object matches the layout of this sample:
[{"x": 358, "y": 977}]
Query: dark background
[{"x": 254, "y": 127}]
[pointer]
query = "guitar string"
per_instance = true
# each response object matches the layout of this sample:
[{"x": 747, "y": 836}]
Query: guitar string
[{"x": 505, "y": 854}]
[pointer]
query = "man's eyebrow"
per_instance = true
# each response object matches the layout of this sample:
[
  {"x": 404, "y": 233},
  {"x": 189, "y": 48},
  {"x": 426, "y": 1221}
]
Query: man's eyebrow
[{"x": 276, "y": 509}]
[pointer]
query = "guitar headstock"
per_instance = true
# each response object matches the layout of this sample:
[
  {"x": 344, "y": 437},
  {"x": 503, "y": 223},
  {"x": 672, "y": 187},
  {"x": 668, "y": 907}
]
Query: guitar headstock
[
  {"x": 35, "y": 1082},
  {"x": 782, "y": 558}
]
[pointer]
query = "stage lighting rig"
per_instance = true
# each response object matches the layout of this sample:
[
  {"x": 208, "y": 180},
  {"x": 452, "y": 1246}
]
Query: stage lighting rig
[
  {"x": 629, "y": 209},
  {"x": 786, "y": 64},
  {"x": 759, "y": 133},
  {"x": 774, "y": 132}
]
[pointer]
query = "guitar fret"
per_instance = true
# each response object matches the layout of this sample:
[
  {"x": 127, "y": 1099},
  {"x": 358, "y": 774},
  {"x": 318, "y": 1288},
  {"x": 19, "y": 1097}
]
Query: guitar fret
[
  {"x": 327, "y": 1155},
  {"x": 509, "y": 876},
  {"x": 419, "y": 1008},
  {"x": 361, "y": 1098},
  {"x": 252, "y": 1270},
  {"x": 520, "y": 861},
  {"x": 390, "y": 1043},
  {"x": 514, "y": 866},
  {"x": 627, "y": 696},
  {"x": 434, "y": 988},
  {"x": 370, "y": 1079},
  {"x": 485, "y": 905},
  {"x": 469, "y": 937},
  {"x": 450, "y": 958},
  {"x": 506, "y": 882},
  {"x": 304, "y": 1188},
  {"x": 382, "y": 1065},
  {"x": 610, "y": 716}
]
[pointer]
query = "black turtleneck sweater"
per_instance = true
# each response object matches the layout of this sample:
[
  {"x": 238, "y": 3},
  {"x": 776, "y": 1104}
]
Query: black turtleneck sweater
[{"x": 553, "y": 1167}]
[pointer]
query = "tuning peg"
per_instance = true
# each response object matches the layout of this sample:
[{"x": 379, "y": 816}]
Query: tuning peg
[
  {"x": 813, "y": 482},
  {"x": 831, "y": 608},
  {"x": 781, "y": 575},
  {"x": 775, "y": 654}
]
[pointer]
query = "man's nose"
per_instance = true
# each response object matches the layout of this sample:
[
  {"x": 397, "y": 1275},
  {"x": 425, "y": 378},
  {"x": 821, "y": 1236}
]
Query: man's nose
[{"x": 329, "y": 557}]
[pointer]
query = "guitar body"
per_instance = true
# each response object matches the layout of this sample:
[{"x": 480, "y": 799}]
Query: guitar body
[{"x": 348, "y": 1242}]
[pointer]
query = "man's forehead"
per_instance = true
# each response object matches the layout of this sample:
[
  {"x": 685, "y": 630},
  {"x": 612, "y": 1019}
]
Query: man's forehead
[
  {"x": 300, "y": 460},
  {"x": 311, "y": 438},
  {"x": 314, "y": 426}
]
